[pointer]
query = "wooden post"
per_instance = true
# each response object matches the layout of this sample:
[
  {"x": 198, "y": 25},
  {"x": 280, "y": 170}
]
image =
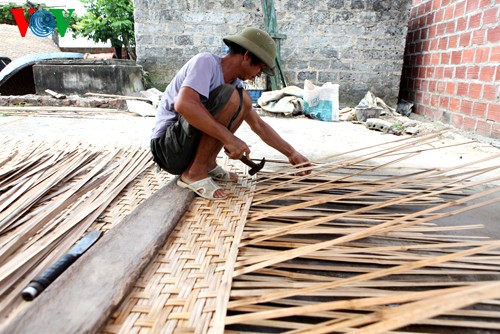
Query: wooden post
[{"x": 271, "y": 28}]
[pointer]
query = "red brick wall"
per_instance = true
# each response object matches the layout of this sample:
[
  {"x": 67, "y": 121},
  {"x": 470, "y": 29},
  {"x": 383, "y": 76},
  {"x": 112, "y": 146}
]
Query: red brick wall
[{"x": 452, "y": 63}]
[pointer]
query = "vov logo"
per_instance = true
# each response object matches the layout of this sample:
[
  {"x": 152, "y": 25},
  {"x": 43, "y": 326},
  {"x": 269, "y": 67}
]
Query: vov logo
[{"x": 42, "y": 22}]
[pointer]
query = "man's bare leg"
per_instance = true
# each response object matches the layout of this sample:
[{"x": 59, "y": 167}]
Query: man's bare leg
[{"x": 209, "y": 147}]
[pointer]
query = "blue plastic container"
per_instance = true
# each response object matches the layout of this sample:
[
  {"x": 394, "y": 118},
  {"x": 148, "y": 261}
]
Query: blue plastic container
[{"x": 254, "y": 94}]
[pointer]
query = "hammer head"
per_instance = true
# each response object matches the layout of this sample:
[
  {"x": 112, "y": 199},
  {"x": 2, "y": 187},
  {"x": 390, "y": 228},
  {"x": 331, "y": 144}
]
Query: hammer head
[{"x": 254, "y": 167}]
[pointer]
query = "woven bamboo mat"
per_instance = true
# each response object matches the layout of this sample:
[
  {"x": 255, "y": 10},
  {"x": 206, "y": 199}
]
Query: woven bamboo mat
[
  {"x": 340, "y": 266},
  {"x": 139, "y": 189},
  {"x": 357, "y": 248},
  {"x": 186, "y": 286}
]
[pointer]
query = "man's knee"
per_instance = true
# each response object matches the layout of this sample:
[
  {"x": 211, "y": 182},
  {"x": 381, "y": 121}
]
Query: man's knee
[
  {"x": 236, "y": 104},
  {"x": 242, "y": 101},
  {"x": 234, "y": 101},
  {"x": 247, "y": 101}
]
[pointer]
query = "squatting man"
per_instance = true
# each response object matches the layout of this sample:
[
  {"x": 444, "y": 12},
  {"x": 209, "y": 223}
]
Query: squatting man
[{"x": 204, "y": 105}]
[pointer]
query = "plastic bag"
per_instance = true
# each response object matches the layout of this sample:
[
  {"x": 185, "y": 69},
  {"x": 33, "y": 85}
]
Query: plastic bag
[{"x": 321, "y": 103}]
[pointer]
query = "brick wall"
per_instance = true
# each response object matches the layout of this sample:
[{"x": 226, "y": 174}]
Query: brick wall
[
  {"x": 358, "y": 44},
  {"x": 451, "y": 66}
]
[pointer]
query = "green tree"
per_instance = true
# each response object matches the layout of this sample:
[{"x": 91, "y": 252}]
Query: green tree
[
  {"x": 108, "y": 21},
  {"x": 6, "y": 16}
]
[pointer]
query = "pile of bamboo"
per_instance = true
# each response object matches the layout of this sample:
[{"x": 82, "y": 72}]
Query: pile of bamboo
[
  {"x": 50, "y": 195},
  {"x": 355, "y": 248}
]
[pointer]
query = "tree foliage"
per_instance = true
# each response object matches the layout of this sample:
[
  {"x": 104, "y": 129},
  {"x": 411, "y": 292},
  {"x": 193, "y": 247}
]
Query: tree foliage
[
  {"x": 6, "y": 16},
  {"x": 107, "y": 20}
]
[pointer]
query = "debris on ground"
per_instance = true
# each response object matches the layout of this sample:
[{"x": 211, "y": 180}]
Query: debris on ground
[
  {"x": 378, "y": 124},
  {"x": 89, "y": 104},
  {"x": 55, "y": 94},
  {"x": 141, "y": 108},
  {"x": 153, "y": 95},
  {"x": 371, "y": 111},
  {"x": 404, "y": 107},
  {"x": 287, "y": 102},
  {"x": 369, "y": 107}
]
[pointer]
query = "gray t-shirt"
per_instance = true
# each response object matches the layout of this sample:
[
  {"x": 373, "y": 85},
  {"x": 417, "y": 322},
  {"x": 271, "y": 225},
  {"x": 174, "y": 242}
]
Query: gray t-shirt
[{"x": 203, "y": 73}]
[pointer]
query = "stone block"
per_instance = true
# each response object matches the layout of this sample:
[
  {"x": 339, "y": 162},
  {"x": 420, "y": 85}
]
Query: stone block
[
  {"x": 120, "y": 77},
  {"x": 378, "y": 124}
]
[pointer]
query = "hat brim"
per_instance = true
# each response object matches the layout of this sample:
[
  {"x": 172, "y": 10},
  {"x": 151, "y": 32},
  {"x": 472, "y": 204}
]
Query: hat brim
[{"x": 253, "y": 48}]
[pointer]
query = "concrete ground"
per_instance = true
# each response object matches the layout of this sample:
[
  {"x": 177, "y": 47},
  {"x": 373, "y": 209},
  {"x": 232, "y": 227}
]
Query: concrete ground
[{"x": 315, "y": 139}]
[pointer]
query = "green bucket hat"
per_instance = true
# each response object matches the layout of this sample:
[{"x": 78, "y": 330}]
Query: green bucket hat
[{"x": 257, "y": 42}]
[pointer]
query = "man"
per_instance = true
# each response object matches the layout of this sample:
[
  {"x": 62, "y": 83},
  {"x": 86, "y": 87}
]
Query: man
[{"x": 205, "y": 104}]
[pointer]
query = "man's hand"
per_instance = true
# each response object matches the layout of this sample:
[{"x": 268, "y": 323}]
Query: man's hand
[
  {"x": 298, "y": 159},
  {"x": 236, "y": 149}
]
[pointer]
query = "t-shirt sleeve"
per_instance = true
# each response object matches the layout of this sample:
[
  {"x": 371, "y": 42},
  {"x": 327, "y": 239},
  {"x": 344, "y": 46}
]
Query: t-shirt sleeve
[{"x": 199, "y": 75}]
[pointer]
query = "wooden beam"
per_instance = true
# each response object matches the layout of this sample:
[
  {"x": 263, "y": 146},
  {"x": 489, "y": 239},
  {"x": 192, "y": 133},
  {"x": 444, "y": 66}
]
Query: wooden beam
[
  {"x": 60, "y": 109},
  {"x": 55, "y": 94},
  {"x": 84, "y": 297}
]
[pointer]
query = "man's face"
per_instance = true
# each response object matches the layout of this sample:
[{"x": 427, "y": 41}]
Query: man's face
[{"x": 249, "y": 70}]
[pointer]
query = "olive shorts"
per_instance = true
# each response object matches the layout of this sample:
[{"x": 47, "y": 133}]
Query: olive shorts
[{"x": 175, "y": 150}]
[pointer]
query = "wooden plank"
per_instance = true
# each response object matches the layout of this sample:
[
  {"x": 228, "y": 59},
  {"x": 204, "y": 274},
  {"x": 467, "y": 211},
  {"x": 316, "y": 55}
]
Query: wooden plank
[
  {"x": 55, "y": 94},
  {"x": 49, "y": 108},
  {"x": 84, "y": 297},
  {"x": 118, "y": 96}
]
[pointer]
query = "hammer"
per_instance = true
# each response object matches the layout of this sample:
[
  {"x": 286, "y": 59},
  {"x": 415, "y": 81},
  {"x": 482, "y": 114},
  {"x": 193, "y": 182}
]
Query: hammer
[{"x": 254, "y": 167}]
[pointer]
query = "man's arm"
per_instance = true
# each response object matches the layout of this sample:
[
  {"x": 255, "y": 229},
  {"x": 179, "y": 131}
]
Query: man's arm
[{"x": 273, "y": 139}]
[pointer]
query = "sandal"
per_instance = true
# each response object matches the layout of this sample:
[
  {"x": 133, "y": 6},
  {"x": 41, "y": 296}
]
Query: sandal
[
  {"x": 220, "y": 174},
  {"x": 205, "y": 188}
]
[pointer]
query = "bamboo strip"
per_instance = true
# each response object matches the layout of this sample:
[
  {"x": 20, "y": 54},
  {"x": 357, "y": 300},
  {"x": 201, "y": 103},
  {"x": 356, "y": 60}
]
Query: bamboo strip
[
  {"x": 286, "y": 184},
  {"x": 465, "y": 324},
  {"x": 414, "y": 152},
  {"x": 411, "y": 231},
  {"x": 413, "y": 141},
  {"x": 47, "y": 180},
  {"x": 384, "y": 184},
  {"x": 340, "y": 268},
  {"x": 218, "y": 321},
  {"x": 10, "y": 245},
  {"x": 314, "y": 187}
]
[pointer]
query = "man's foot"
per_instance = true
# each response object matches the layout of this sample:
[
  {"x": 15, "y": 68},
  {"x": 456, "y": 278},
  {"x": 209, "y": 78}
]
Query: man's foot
[
  {"x": 220, "y": 174},
  {"x": 205, "y": 188}
]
